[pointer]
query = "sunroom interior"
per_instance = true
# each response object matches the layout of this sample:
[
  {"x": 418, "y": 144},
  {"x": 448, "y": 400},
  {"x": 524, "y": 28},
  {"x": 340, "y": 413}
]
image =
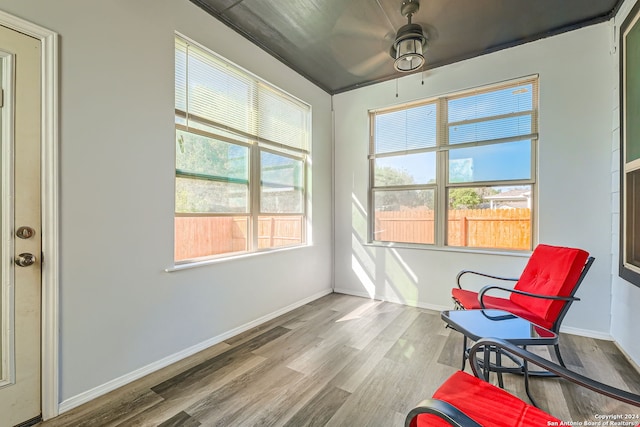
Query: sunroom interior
[{"x": 128, "y": 307}]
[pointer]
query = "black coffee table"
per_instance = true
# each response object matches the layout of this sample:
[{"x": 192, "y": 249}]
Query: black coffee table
[{"x": 490, "y": 323}]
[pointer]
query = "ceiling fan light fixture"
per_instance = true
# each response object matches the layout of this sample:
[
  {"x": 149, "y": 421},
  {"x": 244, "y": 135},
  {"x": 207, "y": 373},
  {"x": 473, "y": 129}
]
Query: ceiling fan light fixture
[
  {"x": 411, "y": 43},
  {"x": 411, "y": 60},
  {"x": 409, "y": 52}
]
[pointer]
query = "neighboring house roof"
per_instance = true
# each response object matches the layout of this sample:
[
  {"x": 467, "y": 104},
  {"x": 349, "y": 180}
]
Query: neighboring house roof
[
  {"x": 510, "y": 199},
  {"x": 510, "y": 195}
]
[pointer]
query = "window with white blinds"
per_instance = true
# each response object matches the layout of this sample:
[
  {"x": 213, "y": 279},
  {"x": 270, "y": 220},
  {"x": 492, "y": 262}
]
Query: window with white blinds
[
  {"x": 242, "y": 148},
  {"x": 212, "y": 92},
  {"x": 456, "y": 170}
]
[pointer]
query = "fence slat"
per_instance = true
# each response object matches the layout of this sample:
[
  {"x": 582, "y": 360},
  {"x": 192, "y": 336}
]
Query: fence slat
[
  {"x": 205, "y": 236},
  {"x": 491, "y": 228}
]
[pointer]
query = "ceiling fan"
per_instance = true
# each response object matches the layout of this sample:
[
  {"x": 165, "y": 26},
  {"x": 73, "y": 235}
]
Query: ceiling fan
[
  {"x": 410, "y": 44},
  {"x": 361, "y": 30}
]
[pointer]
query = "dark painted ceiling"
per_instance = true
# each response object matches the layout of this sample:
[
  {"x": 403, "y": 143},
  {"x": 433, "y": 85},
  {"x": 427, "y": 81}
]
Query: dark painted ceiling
[{"x": 344, "y": 44}]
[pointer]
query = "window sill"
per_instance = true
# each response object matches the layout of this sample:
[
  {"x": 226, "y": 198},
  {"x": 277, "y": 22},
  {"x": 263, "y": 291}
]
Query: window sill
[
  {"x": 479, "y": 251},
  {"x": 223, "y": 259}
]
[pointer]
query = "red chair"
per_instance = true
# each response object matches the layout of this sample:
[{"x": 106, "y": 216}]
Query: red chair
[
  {"x": 543, "y": 293},
  {"x": 465, "y": 400}
]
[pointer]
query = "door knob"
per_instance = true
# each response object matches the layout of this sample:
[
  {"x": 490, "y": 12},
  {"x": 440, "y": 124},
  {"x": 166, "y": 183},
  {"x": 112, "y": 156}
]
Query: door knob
[{"x": 25, "y": 259}]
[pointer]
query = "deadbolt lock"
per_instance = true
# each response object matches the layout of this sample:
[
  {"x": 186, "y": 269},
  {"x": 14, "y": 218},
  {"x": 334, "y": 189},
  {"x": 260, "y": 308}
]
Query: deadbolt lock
[{"x": 25, "y": 232}]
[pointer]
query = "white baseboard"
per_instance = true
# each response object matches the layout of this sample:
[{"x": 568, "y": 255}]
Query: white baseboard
[
  {"x": 628, "y": 357},
  {"x": 355, "y": 294},
  {"x": 586, "y": 333},
  {"x": 100, "y": 390},
  {"x": 434, "y": 307}
]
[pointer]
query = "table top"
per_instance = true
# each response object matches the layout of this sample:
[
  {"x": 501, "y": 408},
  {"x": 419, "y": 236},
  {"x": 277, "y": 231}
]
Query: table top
[{"x": 490, "y": 323}]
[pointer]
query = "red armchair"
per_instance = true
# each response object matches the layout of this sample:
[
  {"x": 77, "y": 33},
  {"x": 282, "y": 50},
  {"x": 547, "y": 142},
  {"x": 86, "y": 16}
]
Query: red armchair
[
  {"x": 543, "y": 293},
  {"x": 465, "y": 400}
]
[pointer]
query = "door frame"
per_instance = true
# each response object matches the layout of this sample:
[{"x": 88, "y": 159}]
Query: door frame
[{"x": 49, "y": 188}]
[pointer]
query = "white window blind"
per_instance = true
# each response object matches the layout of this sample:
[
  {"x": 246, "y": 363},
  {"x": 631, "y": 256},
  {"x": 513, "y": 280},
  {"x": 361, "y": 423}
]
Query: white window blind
[
  {"x": 485, "y": 115},
  {"x": 405, "y": 129},
  {"x": 217, "y": 94}
]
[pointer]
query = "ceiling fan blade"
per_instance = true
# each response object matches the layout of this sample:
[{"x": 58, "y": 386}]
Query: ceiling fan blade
[
  {"x": 358, "y": 28},
  {"x": 362, "y": 18},
  {"x": 359, "y": 55},
  {"x": 371, "y": 64}
]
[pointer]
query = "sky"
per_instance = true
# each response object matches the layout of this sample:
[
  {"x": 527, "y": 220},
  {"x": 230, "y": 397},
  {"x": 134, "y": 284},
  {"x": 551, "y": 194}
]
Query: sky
[{"x": 415, "y": 128}]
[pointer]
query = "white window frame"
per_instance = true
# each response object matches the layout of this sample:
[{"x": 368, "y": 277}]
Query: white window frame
[
  {"x": 628, "y": 266},
  {"x": 256, "y": 146},
  {"x": 442, "y": 186}
]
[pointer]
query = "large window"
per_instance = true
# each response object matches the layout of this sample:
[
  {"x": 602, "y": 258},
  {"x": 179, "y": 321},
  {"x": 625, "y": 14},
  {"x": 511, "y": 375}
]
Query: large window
[
  {"x": 242, "y": 150},
  {"x": 458, "y": 170},
  {"x": 629, "y": 264}
]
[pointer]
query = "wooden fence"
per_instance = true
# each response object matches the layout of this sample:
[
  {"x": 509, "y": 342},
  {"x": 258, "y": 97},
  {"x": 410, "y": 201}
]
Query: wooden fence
[
  {"x": 480, "y": 228},
  {"x": 205, "y": 236}
]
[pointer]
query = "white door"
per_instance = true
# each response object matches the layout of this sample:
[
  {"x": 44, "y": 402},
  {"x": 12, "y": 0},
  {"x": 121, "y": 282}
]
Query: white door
[{"x": 20, "y": 260}]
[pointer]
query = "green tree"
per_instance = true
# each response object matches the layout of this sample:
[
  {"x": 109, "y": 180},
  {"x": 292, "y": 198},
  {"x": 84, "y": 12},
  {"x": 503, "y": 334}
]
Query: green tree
[
  {"x": 464, "y": 198},
  {"x": 386, "y": 176},
  {"x": 216, "y": 175}
]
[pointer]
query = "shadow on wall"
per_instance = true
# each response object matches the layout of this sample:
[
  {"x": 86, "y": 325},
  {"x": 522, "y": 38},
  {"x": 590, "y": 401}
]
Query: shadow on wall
[{"x": 381, "y": 271}]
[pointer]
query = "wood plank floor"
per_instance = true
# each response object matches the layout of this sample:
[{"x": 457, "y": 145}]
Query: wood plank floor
[{"x": 338, "y": 361}]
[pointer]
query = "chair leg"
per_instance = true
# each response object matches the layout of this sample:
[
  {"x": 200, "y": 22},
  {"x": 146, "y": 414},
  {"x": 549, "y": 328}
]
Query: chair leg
[
  {"x": 556, "y": 347},
  {"x": 464, "y": 351},
  {"x": 458, "y": 306},
  {"x": 498, "y": 365}
]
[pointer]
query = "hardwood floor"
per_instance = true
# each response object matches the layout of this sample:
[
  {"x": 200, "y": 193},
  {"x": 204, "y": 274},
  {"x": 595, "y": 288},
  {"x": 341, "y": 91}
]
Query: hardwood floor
[{"x": 338, "y": 361}]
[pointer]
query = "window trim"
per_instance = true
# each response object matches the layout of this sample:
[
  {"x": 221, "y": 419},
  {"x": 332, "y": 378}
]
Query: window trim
[
  {"x": 254, "y": 209},
  {"x": 626, "y": 270},
  {"x": 256, "y": 145},
  {"x": 303, "y": 180},
  {"x": 442, "y": 148}
]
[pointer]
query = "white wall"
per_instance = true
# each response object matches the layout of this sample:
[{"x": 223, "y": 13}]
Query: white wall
[
  {"x": 119, "y": 310},
  {"x": 574, "y": 174},
  {"x": 625, "y": 297}
]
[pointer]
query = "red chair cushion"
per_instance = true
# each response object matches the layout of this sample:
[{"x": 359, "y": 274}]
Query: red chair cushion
[
  {"x": 551, "y": 270},
  {"x": 487, "y": 404},
  {"x": 469, "y": 300}
]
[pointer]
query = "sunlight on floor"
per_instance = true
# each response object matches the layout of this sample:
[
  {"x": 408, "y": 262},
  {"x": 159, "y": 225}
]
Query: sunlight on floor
[{"x": 358, "y": 312}]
